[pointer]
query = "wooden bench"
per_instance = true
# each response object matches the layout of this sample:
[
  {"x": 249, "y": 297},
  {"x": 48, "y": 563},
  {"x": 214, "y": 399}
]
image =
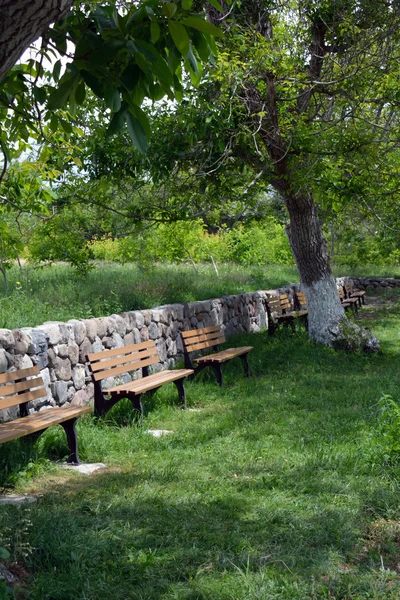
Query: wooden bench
[
  {"x": 118, "y": 361},
  {"x": 347, "y": 302},
  {"x": 21, "y": 387},
  {"x": 351, "y": 293},
  {"x": 211, "y": 337},
  {"x": 279, "y": 311}
]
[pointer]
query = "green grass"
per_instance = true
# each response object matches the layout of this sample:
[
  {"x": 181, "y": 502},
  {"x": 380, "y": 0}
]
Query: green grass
[
  {"x": 282, "y": 486},
  {"x": 56, "y": 293}
]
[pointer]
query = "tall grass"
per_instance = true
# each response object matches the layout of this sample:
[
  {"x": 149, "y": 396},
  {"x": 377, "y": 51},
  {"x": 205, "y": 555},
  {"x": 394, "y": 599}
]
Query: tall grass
[
  {"x": 284, "y": 486},
  {"x": 57, "y": 293}
]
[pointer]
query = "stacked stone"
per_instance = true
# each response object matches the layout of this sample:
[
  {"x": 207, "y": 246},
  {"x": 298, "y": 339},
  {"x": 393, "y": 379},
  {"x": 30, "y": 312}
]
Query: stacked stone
[
  {"x": 373, "y": 283},
  {"x": 60, "y": 349}
]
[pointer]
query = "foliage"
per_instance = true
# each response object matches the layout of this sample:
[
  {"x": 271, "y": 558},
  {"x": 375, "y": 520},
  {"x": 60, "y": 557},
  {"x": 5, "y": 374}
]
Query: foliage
[
  {"x": 123, "y": 53},
  {"x": 254, "y": 244},
  {"x": 389, "y": 417}
]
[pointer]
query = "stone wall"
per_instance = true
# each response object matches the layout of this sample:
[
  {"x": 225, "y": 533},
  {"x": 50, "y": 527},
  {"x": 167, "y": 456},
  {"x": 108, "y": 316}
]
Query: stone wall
[
  {"x": 60, "y": 349},
  {"x": 373, "y": 283}
]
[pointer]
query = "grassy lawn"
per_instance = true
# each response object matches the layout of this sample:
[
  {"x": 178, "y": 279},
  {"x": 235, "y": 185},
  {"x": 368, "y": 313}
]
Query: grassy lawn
[{"x": 282, "y": 486}]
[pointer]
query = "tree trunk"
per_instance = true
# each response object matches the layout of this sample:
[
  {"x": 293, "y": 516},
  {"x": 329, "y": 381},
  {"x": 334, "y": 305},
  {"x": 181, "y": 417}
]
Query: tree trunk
[
  {"x": 309, "y": 249},
  {"x": 326, "y": 319},
  {"x": 22, "y": 22}
]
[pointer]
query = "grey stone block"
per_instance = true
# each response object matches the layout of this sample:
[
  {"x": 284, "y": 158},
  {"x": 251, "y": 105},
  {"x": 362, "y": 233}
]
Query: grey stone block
[
  {"x": 6, "y": 339},
  {"x": 3, "y": 361}
]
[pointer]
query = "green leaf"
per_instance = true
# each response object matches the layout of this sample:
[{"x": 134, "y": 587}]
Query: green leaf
[
  {"x": 106, "y": 52},
  {"x": 92, "y": 81},
  {"x": 192, "y": 60},
  {"x": 148, "y": 51},
  {"x": 142, "y": 118},
  {"x": 104, "y": 18},
  {"x": 162, "y": 71},
  {"x": 117, "y": 122},
  {"x": 112, "y": 98},
  {"x": 216, "y": 5},
  {"x": 179, "y": 36},
  {"x": 131, "y": 76},
  {"x": 66, "y": 126},
  {"x": 4, "y": 554},
  {"x": 187, "y": 4},
  {"x": 169, "y": 9},
  {"x": 58, "y": 98},
  {"x": 40, "y": 94},
  {"x": 80, "y": 93},
  {"x": 201, "y": 45},
  {"x": 154, "y": 31},
  {"x": 137, "y": 133},
  {"x": 56, "y": 70},
  {"x": 202, "y": 25}
]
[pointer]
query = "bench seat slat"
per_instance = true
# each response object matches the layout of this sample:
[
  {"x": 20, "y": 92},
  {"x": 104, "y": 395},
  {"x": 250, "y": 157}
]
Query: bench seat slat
[
  {"x": 150, "y": 382},
  {"x": 224, "y": 355},
  {"x": 294, "y": 314},
  {"x": 38, "y": 421}
]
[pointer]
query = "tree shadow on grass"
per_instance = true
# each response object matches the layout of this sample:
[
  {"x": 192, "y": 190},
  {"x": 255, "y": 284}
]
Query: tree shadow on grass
[{"x": 111, "y": 537}]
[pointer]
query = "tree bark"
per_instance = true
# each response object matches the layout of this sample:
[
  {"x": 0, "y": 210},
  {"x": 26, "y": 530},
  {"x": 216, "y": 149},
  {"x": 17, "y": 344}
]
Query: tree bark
[
  {"x": 22, "y": 22},
  {"x": 325, "y": 311},
  {"x": 327, "y": 323}
]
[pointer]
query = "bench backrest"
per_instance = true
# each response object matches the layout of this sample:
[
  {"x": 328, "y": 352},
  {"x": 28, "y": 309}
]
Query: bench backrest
[
  {"x": 16, "y": 388},
  {"x": 110, "y": 363},
  {"x": 199, "y": 339},
  {"x": 279, "y": 303},
  {"x": 300, "y": 301}
]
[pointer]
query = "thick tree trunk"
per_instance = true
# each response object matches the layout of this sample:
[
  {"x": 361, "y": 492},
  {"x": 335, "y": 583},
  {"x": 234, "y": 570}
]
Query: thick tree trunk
[
  {"x": 309, "y": 250},
  {"x": 326, "y": 318},
  {"x": 22, "y": 22}
]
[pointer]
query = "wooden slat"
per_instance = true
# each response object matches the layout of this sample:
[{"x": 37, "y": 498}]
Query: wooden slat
[
  {"x": 20, "y": 386},
  {"x": 20, "y": 374},
  {"x": 135, "y": 357},
  {"x": 206, "y": 344},
  {"x": 94, "y": 356},
  {"x": 224, "y": 355},
  {"x": 20, "y": 398},
  {"x": 201, "y": 331},
  {"x": 100, "y": 375},
  {"x": 39, "y": 421},
  {"x": 204, "y": 337},
  {"x": 150, "y": 382},
  {"x": 301, "y": 298}
]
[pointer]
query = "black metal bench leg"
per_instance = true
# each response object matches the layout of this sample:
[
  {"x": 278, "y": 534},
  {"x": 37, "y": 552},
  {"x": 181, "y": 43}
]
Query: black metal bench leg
[
  {"x": 218, "y": 373},
  {"x": 180, "y": 385},
  {"x": 72, "y": 439},
  {"x": 245, "y": 364},
  {"x": 137, "y": 407}
]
